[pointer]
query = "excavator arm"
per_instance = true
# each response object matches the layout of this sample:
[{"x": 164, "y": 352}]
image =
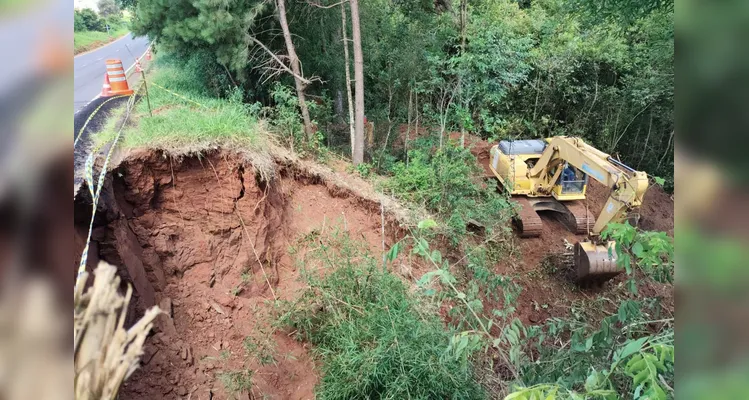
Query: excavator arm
[{"x": 627, "y": 185}]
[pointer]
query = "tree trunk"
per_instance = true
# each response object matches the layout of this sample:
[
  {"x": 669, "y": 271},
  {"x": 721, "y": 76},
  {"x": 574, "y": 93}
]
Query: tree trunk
[
  {"x": 348, "y": 80},
  {"x": 294, "y": 61},
  {"x": 358, "y": 85},
  {"x": 463, "y": 24}
]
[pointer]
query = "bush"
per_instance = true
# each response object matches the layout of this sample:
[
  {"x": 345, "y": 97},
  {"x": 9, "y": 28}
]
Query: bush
[
  {"x": 372, "y": 340},
  {"x": 78, "y": 23},
  {"x": 89, "y": 21},
  {"x": 445, "y": 182}
]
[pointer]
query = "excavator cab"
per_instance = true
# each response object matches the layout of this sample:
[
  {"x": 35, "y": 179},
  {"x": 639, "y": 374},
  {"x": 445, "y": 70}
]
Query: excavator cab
[{"x": 571, "y": 184}]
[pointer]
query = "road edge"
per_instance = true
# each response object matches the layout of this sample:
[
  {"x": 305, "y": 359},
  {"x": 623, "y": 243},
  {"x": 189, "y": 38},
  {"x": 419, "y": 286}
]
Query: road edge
[{"x": 101, "y": 47}]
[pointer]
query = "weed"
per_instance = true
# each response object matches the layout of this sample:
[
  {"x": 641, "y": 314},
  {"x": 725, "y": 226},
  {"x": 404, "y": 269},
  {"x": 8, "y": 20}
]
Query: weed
[
  {"x": 236, "y": 382},
  {"x": 628, "y": 352},
  {"x": 262, "y": 349},
  {"x": 443, "y": 181},
  {"x": 370, "y": 335},
  {"x": 364, "y": 170}
]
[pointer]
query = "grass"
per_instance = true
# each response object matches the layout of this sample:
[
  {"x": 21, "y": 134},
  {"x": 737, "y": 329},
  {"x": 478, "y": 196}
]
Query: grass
[
  {"x": 88, "y": 40},
  {"x": 183, "y": 119},
  {"x": 375, "y": 339},
  {"x": 236, "y": 382}
]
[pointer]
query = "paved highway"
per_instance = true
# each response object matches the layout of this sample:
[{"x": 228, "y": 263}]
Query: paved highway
[{"x": 90, "y": 67}]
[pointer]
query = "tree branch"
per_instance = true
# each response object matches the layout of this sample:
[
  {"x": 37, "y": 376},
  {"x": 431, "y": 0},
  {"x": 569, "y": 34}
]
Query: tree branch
[
  {"x": 259, "y": 43},
  {"x": 318, "y": 5}
]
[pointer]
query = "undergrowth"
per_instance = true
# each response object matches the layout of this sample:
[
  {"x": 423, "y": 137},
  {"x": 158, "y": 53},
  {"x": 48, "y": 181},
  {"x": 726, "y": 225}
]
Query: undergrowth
[
  {"x": 627, "y": 354},
  {"x": 444, "y": 181},
  {"x": 375, "y": 339}
]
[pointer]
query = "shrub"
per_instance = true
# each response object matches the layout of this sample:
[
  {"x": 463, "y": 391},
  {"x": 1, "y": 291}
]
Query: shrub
[
  {"x": 445, "y": 182},
  {"x": 372, "y": 340},
  {"x": 89, "y": 20},
  {"x": 78, "y": 23}
]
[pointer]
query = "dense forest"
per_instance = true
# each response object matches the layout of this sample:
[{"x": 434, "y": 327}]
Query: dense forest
[{"x": 493, "y": 68}]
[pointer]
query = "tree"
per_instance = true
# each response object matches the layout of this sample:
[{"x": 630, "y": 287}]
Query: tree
[
  {"x": 186, "y": 27},
  {"x": 294, "y": 61},
  {"x": 90, "y": 20},
  {"x": 358, "y": 85},
  {"x": 107, "y": 8},
  {"x": 78, "y": 24},
  {"x": 348, "y": 79}
]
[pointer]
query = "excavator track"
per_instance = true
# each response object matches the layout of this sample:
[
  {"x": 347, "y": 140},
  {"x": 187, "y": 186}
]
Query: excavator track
[
  {"x": 578, "y": 220},
  {"x": 527, "y": 223}
]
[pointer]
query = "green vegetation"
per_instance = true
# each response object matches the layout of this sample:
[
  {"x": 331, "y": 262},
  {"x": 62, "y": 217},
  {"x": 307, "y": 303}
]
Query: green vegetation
[
  {"x": 497, "y": 69},
  {"x": 184, "y": 117},
  {"x": 236, "y": 382},
  {"x": 90, "y": 29},
  {"x": 375, "y": 339},
  {"x": 445, "y": 180},
  {"x": 89, "y": 40}
]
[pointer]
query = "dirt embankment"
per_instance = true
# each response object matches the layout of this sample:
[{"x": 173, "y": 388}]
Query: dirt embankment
[{"x": 209, "y": 242}]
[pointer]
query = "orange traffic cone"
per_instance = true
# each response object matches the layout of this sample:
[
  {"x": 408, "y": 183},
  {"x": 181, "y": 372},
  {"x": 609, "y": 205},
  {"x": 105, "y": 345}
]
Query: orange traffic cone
[
  {"x": 148, "y": 55},
  {"x": 117, "y": 78},
  {"x": 105, "y": 87}
]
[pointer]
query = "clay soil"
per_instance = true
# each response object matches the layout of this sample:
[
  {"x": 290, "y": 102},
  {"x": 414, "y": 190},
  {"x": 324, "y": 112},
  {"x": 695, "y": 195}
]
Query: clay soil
[{"x": 209, "y": 242}]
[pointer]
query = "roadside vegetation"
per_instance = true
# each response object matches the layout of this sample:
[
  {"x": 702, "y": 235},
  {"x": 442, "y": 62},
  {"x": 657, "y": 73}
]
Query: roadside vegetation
[
  {"x": 90, "y": 28},
  {"x": 494, "y": 69}
]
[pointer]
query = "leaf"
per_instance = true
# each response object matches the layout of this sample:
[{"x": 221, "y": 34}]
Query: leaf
[
  {"x": 436, "y": 256},
  {"x": 420, "y": 248},
  {"x": 427, "y": 224},
  {"x": 637, "y": 249},
  {"x": 631, "y": 348},
  {"x": 392, "y": 254},
  {"x": 658, "y": 180},
  {"x": 589, "y": 343},
  {"x": 632, "y": 285},
  {"x": 461, "y": 295}
]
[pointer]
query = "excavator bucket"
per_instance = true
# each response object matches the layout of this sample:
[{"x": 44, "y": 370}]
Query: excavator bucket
[{"x": 595, "y": 262}]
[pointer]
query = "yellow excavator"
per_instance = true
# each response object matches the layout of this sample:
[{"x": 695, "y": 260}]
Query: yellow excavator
[{"x": 552, "y": 175}]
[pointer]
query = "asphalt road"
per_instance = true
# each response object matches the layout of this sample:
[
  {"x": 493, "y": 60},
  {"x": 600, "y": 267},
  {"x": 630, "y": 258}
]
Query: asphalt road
[{"x": 90, "y": 67}]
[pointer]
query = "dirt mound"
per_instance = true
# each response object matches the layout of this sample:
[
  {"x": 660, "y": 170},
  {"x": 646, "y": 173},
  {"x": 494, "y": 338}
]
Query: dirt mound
[{"x": 209, "y": 241}]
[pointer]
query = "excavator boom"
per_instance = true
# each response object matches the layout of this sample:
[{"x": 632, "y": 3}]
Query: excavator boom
[{"x": 627, "y": 185}]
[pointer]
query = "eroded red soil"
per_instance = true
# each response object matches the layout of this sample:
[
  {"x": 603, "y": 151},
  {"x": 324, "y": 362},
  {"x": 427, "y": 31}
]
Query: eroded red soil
[{"x": 209, "y": 243}]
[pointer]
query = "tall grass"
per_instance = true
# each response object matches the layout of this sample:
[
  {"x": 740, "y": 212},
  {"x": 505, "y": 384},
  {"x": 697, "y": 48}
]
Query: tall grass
[{"x": 373, "y": 337}]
